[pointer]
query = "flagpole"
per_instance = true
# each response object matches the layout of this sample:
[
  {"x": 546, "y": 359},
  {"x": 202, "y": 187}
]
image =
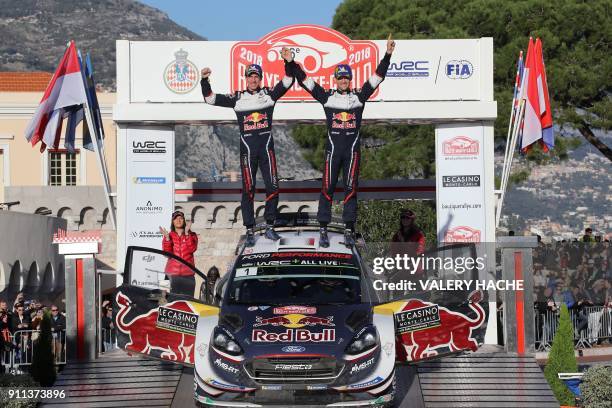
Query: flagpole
[
  {"x": 91, "y": 124},
  {"x": 511, "y": 150}
]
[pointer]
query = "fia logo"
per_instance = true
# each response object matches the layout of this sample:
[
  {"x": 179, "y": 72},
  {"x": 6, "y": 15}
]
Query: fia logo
[{"x": 459, "y": 69}]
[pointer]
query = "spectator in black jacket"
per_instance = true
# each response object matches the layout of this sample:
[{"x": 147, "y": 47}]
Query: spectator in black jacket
[{"x": 58, "y": 331}]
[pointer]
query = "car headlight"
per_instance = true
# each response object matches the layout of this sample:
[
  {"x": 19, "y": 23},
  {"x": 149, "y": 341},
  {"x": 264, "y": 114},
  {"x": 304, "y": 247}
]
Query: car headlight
[
  {"x": 224, "y": 343},
  {"x": 365, "y": 340}
]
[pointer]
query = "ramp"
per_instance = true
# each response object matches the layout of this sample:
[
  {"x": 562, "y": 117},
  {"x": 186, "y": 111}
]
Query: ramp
[
  {"x": 484, "y": 380},
  {"x": 117, "y": 380}
]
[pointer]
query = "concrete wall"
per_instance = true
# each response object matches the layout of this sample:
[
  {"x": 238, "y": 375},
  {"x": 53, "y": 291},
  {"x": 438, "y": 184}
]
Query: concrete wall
[{"x": 26, "y": 247}]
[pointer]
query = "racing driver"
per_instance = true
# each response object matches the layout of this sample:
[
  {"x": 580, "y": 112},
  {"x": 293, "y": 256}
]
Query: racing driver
[
  {"x": 343, "y": 109},
  {"x": 254, "y": 108}
]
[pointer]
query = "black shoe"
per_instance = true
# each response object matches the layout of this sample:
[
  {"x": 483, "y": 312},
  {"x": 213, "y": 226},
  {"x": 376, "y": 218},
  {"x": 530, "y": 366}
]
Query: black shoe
[
  {"x": 271, "y": 234},
  {"x": 250, "y": 238},
  {"x": 323, "y": 238},
  {"x": 349, "y": 238}
]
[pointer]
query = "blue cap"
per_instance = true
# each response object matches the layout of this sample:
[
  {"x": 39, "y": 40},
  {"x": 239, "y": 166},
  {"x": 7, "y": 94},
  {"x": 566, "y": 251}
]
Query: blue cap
[
  {"x": 253, "y": 69},
  {"x": 343, "y": 70}
]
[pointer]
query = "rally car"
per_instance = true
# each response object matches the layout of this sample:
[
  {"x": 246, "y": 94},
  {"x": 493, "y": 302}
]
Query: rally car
[{"x": 291, "y": 323}]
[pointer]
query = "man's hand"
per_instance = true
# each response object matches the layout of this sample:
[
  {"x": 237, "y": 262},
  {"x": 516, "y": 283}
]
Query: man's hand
[
  {"x": 187, "y": 227},
  {"x": 390, "y": 45},
  {"x": 164, "y": 232},
  {"x": 206, "y": 72},
  {"x": 287, "y": 54}
]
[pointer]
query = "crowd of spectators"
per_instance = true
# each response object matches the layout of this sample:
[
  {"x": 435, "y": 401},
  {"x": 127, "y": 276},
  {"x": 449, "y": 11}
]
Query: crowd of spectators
[
  {"x": 576, "y": 272},
  {"x": 19, "y": 325}
]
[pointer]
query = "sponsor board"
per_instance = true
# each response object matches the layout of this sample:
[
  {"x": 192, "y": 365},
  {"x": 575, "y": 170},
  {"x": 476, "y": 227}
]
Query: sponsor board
[
  {"x": 409, "y": 69},
  {"x": 459, "y": 69},
  {"x": 176, "y": 320},
  {"x": 148, "y": 180},
  {"x": 463, "y": 233},
  {"x": 149, "y": 147},
  {"x": 293, "y": 336},
  {"x": 461, "y": 146},
  {"x": 417, "y": 319},
  {"x": 149, "y": 208},
  {"x": 181, "y": 75}
]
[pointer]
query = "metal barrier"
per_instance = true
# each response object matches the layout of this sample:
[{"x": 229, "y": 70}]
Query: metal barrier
[
  {"x": 591, "y": 324},
  {"x": 20, "y": 350},
  {"x": 109, "y": 340}
]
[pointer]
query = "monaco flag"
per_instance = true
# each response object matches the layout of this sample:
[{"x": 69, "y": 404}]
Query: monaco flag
[
  {"x": 65, "y": 89},
  {"x": 537, "y": 121}
]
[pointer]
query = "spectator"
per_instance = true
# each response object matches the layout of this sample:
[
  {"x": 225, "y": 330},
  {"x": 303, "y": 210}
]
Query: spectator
[
  {"x": 38, "y": 316},
  {"x": 20, "y": 323},
  {"x": 19, "y": 299},
  {"x": 58, "y": 331},
  {"x": 108, "y": 328},
  {"x": 211, "y": 279},
  {"x": 182, "y": 242},
  {"x": 588, "y": 235}
]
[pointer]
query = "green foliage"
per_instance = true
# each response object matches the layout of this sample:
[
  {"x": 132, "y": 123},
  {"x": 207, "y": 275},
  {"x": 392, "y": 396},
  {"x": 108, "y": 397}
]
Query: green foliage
[
  {"x": 379, "y": 220},
  {"x": 576, "y": 55},
  {"x": 43, "y": 366},
  {"x": 561, "y": 358},
  {"x": 596, "y": 387},
  {"x": 8, "y": 381}
]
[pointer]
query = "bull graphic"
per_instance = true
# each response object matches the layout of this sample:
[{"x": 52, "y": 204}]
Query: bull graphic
[
  {"x": 454, "y": 331},
  {"x": 146, "y": 337}
]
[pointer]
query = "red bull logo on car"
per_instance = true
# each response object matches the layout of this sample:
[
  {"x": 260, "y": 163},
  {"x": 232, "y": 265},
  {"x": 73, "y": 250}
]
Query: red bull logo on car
[
  {"x": 452, "y": 330},
  {"x": 294, "y": 320},
  {"x": 255, "y": 120},
  {"x": 294, "y": 336},
  {"x": 460, "y": 146},
  {"x": 145, "y": 336},
  {"x": 317, "y": 49},
  {"x": 344, "y": 120}
]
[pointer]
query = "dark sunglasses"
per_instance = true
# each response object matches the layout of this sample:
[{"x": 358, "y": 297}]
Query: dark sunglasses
[{"x": 55, "y": 310}]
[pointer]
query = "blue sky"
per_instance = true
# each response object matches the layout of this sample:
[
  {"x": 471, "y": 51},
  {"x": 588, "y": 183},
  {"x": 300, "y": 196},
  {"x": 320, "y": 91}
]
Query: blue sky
[{"x": 244, "y": 20}]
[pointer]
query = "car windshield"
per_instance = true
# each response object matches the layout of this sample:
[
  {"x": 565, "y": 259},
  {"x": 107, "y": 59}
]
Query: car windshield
[{"x": 312, "y": 281}]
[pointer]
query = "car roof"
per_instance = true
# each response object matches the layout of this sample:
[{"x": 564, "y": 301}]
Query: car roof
[{"x": 298, "y": 240}]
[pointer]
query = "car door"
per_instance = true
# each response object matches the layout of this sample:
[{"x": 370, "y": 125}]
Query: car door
[
  {"x": 155, "y": 312},
  {"x": 434, "y": 321}
]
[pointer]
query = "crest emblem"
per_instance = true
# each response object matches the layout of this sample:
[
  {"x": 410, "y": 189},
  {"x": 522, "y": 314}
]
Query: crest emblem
[{"x": 181, "y": 75}]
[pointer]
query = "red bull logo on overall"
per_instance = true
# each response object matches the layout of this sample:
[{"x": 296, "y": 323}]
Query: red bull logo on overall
[
  {"x": 438, "y": 328},
  {"x": 344, "y": 120},
  {"x": 255, "y": 120}
]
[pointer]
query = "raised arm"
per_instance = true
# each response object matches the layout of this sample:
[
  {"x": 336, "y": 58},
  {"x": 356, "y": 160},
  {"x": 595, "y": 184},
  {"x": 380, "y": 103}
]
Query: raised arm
[
  {"x": 283, "y": 86},
  {"x": 307, "y": 83},
  {"x": 211, "y": 98},
  {"x": 381, "y": 71}
]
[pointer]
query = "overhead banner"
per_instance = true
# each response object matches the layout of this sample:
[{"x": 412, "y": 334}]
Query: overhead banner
[
  {"x": 460, "y": 189},
  {"x": 150, "y": 189},
  {"x": 431, "y": 70}
]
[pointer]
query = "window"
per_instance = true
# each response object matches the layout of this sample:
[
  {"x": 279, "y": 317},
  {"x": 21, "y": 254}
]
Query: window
[{"x": 63, "y": 168}]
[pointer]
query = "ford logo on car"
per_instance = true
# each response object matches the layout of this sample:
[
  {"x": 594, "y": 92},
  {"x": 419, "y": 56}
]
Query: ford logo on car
[{"x": 293, "y": 349}]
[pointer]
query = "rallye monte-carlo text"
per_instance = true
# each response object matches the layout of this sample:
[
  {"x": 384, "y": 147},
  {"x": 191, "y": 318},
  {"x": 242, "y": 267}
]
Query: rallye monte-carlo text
[{"x": 289, "y": 324}]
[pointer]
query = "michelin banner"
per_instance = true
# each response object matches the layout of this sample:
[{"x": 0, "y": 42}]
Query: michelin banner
[
  {"x": 460, "y": 192},
  {"x": 150, "y": 178}
]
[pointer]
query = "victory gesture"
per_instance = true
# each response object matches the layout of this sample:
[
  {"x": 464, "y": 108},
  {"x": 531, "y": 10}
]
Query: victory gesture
[
  {"x": 164, "y": 232},
  {"x": 287, "y": 54},
  {"x": 206, "y": 72},
  {"x": 390, "y": 45}
]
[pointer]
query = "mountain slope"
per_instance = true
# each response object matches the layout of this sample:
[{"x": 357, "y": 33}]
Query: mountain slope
[{"x": 34, "y": 32}]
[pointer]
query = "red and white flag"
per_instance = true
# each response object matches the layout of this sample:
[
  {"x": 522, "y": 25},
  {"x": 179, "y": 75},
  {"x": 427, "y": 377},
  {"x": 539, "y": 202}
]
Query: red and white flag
[
  {"x": 537, "y": 122},
  {"x": 66, "y": 88}
]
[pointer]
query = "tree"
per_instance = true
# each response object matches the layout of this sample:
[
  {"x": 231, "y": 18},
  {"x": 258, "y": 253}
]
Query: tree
[
  {"x": 561, "y": 358},
  {"x": 43, "y": 367},
  {"x": 578, "y": 66}
]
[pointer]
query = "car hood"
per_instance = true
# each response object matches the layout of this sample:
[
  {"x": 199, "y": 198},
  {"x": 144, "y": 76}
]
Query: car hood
[{"x": 292, "y": 329}]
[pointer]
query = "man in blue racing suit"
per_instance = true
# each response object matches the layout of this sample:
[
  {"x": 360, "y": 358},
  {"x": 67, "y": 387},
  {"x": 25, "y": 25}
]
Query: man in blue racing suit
[
  {"x": 343, "y": 110},
  {"x": 254, "y": 108}
]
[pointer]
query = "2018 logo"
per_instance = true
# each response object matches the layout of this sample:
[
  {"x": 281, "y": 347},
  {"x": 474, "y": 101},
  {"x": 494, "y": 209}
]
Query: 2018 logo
[{"x": 317, "y": 49}]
